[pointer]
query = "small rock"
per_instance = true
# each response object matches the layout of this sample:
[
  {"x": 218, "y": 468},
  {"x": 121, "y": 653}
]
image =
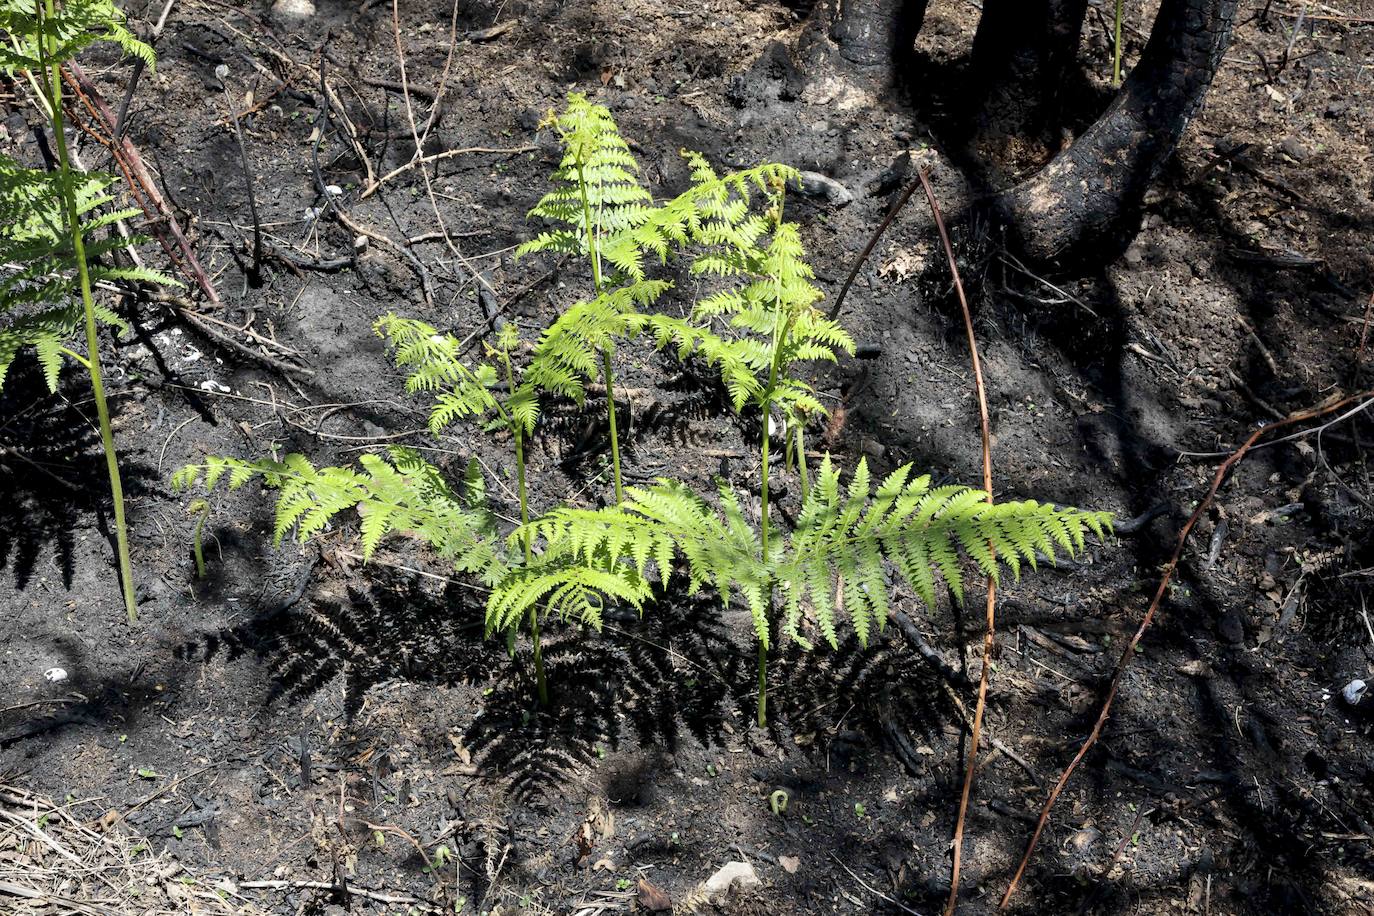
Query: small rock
[
  {"x": 731, "y": 875},
  {"x": 872, "y": 447},
  {"x": 1231, "y": 628},
  {"x": 789, "y": 864},
  {"x": 814, "y": 184},
  {"x": 293, "y": 10},
  {"x": 1293, "y": 149},
  {"x": 1353, "y": 692},
  {"x": 58, "y": 675}
]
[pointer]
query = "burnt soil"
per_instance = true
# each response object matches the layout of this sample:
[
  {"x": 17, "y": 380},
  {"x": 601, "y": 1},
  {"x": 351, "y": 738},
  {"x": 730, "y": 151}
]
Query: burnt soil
[{"x": 276, "y": 716}]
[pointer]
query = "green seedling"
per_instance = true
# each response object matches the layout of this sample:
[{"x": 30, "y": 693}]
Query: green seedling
[{"x": 200, "y": 509}]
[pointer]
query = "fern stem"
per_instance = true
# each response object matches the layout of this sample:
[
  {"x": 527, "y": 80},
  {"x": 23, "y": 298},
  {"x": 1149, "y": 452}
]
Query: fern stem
[
  {"x": 540, "y": 683},
  {"x": 763, "y": 685},
  {"x": 52, "y": 86},
  {"x": 780, "y": 332},
  {"x": 196, "y": 547},
  {"x": 608, "y": 379},
  {"x": 768, "y": 599},
  {"x": 801, "y": 463},
  {"x": 607, "y": 371}
]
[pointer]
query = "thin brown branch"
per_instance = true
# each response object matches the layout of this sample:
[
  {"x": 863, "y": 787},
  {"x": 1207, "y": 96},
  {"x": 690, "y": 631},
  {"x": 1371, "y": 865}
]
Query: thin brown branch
[
  {"x": 438, "y": 157},
  {"x": 140, "y": 181},
  {"x": 872, "y": 243},
  {"x": 1129, "y": 653},
  {"x": 989, "y": 634}
]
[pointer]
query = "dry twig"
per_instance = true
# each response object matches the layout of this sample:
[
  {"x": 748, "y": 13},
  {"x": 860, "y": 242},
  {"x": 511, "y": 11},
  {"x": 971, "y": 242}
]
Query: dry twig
[{"x": 990, "y": 632}]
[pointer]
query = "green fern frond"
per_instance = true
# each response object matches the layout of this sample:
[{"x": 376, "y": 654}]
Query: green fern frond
[
  {"x": 77, "y": 25},
  {"x": 434, "y": 364},
  {"x": 569, "y": 352},
  {"x": 596, "y": 188},
  {"x": 39, "y": 289},
  {"x": 839, "y": 560},
  {"x": 397, "y": 494},
  {"x": 771, "y": 309},
  {"x": 569, "y": 591}
]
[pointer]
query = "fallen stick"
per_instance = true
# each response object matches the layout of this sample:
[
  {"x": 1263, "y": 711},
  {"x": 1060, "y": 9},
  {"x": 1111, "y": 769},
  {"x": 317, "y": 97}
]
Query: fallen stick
[
  {"x": 990, "y": 631},
  {"x": 131, "y": 163},
  {"x": 351, "y": 889},
  {"x": 437, "y": 157}
]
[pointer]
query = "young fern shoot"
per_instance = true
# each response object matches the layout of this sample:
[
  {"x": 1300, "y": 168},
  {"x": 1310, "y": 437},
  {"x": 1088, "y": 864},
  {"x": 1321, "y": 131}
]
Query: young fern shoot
[
  {"x": 602, "y": 210},
  {"x": 773, "y": 324},
  {"x": 48, "y": 221}
]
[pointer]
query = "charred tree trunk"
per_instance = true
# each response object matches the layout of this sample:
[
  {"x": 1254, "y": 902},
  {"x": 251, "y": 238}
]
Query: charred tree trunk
[
  {"x": 1087, "y": 190},
  {"x": 877, "y": 35},
  {"x": 1023, "y": 55}
]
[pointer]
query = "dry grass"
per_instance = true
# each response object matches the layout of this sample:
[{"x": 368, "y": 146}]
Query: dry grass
[{"x": 54, "y": 864}]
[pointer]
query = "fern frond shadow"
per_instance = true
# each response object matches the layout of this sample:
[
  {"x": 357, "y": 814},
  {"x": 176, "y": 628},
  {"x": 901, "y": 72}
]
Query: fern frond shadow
[
  {"x": 675, "y": 671},
  {"x": 54, "y": 473},
  {"x": 883, "y": 691},
  {"x": 396, "y": 627}
]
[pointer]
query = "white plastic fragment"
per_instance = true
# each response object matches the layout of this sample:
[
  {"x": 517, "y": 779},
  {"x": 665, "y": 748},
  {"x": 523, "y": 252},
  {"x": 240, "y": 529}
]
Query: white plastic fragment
[
  {"x": 55, "y": 675},
  {"x": 333, "y": 190}
]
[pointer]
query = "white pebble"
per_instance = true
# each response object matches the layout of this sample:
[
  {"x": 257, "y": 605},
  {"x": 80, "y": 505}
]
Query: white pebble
[
  {"x": 293, "y": 9},
  {"x": 1354, "y": 691},
  {"x": 55, "y": 675}
]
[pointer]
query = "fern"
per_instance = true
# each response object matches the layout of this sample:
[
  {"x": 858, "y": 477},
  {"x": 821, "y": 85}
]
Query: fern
[
  {"x": 569, "y": 351},
  {"x": 597, "y": 197},
  {"x": 62, "y": 32},
  {"x": 399, "y": 494},
  {"x": 40, "y": 292},
  {"x": 853, "y": 536},
  {"x": 48, "y": 238},
  {"x": 461, "y": 390},
  {"x": 834, "y": 568},
  {"x": 770, "y": 312}
]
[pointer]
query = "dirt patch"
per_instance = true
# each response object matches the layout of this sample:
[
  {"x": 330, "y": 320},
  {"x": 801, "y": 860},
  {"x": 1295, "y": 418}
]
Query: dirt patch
[{"x": 325, "y": 719}]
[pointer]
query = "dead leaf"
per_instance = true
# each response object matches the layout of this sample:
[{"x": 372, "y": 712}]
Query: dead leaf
[
  {"x": 901, "y": 264},
  {"x": 652, "y": 898},
  {"x": 463, "y": 753},
  {"x": 1195, "y": 668},
  {"x": 789, "y": 864},
  {"x": 495, "y": 31},
  {"x": 835, "y": 426}
]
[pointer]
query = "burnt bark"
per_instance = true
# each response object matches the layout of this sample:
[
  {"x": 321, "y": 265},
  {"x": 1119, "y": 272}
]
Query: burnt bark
[
  {"x": 1087, "y": 192},
  {"x": 877, "y": 35},
  {"x": 1024, "y": 53}
]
